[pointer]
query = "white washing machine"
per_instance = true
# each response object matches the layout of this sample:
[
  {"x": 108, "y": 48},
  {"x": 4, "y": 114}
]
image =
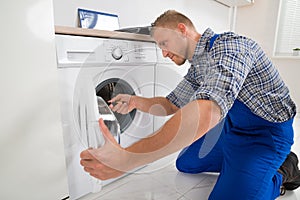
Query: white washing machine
[
  {"x": 167, "y": 76},
  {"x": 89, "y": 67}
]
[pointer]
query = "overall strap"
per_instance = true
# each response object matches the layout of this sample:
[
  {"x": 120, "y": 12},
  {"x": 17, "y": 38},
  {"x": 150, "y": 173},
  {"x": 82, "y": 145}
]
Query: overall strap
[{"x": 212, "y": 40}]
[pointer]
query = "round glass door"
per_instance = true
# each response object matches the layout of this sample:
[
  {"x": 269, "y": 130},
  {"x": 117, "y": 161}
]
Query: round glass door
[{"x": 109, "y": 89}]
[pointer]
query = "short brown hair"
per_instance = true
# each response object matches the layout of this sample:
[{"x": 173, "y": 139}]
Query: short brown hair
[{"x": 170, "y": 19}]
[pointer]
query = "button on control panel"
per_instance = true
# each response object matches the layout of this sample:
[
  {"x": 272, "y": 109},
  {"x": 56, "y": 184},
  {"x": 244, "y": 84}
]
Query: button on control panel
[{"x": 117, "y": 53}]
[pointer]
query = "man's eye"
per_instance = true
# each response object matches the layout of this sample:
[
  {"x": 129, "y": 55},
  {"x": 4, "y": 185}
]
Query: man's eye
[{"x": 163, "y": 44}]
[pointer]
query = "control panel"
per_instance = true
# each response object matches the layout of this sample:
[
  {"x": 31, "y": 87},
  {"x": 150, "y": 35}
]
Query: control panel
[
  {"x": 129, "y": 51},
  {"x": 78, "y": 50}
]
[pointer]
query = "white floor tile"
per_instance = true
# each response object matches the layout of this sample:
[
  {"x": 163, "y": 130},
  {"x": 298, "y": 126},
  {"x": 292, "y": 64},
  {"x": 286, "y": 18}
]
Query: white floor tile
[
  {"x": 182, "y": 183},
  {"x": 183, "y": 198},
  {"x": 141, "y": 187},
  {"x": 290, "y": 195},
  {"x": 203, "y": 189}
]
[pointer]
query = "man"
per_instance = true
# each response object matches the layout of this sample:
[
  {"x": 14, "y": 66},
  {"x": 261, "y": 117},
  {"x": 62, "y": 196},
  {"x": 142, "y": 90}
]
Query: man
[{"x": 232, "y": 91}]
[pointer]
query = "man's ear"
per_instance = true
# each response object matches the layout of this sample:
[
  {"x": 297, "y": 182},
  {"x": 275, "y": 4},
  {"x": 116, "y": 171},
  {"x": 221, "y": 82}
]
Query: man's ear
[{"x": 182, "y": 28}]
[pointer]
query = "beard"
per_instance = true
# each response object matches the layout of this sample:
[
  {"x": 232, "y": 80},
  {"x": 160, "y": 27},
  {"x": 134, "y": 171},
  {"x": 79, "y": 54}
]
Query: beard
[{"x": 178, "y": 60}]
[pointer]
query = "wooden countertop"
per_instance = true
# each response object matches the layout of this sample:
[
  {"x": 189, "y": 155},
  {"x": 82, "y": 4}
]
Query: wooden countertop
[{"x": 65, "y": 30}]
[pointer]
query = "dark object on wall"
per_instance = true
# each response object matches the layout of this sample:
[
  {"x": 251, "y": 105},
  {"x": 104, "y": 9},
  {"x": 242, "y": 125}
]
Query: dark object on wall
[{"x": 137, "y": 30}]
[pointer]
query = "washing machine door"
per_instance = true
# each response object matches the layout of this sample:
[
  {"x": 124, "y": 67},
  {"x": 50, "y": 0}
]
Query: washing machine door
[
  {"x": 111, "y": 87},
  {"x": 107, "y": 82}
]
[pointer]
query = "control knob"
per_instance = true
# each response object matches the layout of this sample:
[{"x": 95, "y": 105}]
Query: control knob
[{"x": 117, "y": 53}]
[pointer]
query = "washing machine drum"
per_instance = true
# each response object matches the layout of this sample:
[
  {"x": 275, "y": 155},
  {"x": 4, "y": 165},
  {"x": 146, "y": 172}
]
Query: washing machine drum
[{"x": 109, "y": 89}]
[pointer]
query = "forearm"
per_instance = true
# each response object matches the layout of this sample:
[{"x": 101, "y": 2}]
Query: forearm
[
  {"x": 187, "y": 125},
  {"x": 159, "y": 106}
]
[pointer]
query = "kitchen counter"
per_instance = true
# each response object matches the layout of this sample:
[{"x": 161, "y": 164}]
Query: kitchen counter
[{"x": 64, "y": 30}]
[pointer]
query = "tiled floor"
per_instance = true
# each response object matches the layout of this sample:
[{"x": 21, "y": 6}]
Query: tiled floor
[{"x": 161, "y": 181}]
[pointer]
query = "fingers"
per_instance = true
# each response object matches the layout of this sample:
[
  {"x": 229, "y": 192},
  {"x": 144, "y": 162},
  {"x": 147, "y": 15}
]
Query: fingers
[
  {"x": 118, "y": 98},
  {"x": 89, "y": 164},
  {"x": 86, "y": 155},
  {"x": 88, "y": 161},
  {"x": 96, "y": 168},
  {"x": 120, "y": 107}
]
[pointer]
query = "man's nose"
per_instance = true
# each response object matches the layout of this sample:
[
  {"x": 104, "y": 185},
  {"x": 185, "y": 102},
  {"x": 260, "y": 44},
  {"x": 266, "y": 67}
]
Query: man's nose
[{"x": 165, "y": 53}]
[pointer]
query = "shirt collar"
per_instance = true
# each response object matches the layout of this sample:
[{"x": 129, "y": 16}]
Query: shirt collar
[{"x": 202, "y": 43}]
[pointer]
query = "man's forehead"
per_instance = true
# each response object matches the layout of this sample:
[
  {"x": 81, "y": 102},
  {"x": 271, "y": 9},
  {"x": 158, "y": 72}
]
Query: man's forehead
[
  {"x": 162, "y": 29},
  {"x": 161, "y": 32}
]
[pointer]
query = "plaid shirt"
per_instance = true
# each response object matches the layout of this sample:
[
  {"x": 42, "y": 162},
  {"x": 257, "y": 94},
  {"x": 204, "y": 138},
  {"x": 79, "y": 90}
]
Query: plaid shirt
[{"x": 235, "y": 68}]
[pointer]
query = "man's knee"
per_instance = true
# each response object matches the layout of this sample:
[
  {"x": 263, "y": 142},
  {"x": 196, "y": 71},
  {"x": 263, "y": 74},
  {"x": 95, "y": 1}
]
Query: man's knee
[
  {"x": 185, "y": 166},
  {"x": 194, "y": 167},
  {"x": 180, "y": 165}
]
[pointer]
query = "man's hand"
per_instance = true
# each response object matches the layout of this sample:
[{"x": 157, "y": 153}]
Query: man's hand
[
  {"x": 122, "y": 103},
  {"x": 108, "y": 161}
]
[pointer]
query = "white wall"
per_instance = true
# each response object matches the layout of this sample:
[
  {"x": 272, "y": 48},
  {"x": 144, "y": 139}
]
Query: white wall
[
  {"x": 31, "y": 143},
  {"x": 204, "y": 13},
  {"x": 259, "y": 22}
]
